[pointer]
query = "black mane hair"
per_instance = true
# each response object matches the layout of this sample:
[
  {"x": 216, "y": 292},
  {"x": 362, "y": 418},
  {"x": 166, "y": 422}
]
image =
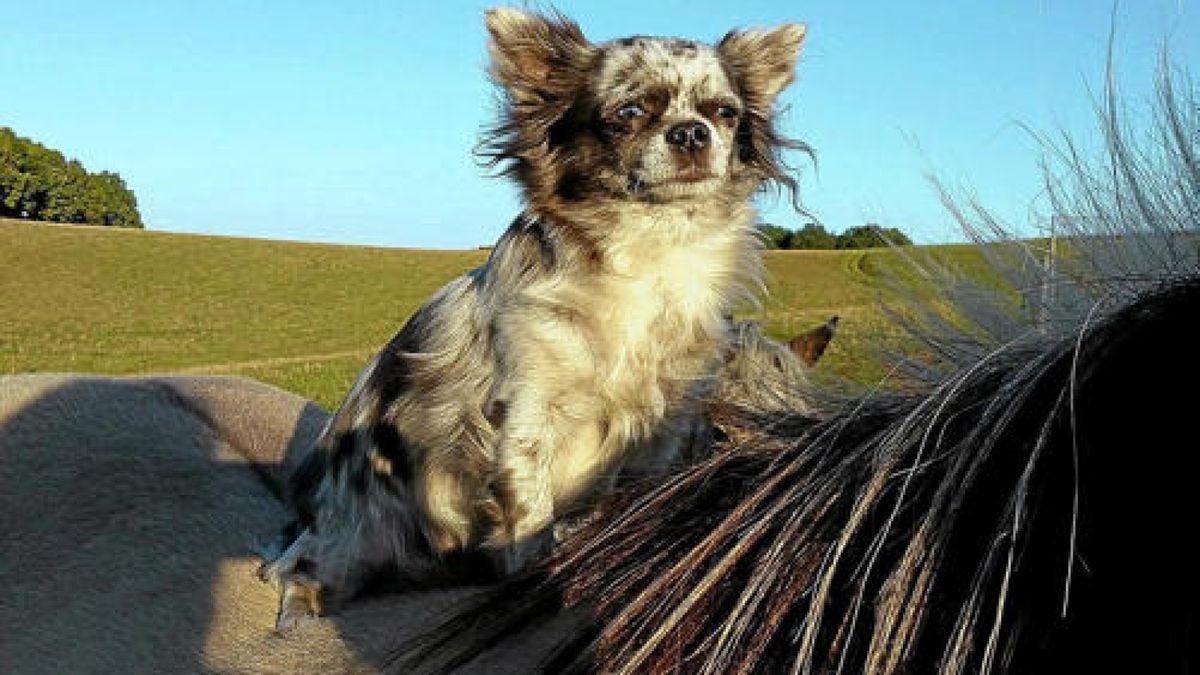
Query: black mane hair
[{"x": 1026, "y": 505}]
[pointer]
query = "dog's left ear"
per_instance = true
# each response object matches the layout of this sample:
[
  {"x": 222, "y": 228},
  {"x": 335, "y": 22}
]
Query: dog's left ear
[
  {"x": 537, "y": 59},
  {"x": 763, "y": 61}
]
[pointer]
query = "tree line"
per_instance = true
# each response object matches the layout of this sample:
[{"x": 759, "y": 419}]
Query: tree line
[
  {"x": 814, "y": 236},
  {"x": 39, "y": 183}
]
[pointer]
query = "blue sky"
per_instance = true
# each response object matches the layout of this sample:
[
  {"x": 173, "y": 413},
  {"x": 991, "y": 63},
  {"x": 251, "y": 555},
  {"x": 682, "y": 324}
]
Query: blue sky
[{"x": 354, "y": 122}]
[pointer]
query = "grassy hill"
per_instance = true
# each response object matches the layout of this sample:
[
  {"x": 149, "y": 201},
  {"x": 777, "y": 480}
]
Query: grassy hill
[{"x": 306, "y": 316}]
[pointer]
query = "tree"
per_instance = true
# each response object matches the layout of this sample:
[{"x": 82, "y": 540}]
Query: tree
[
  {"x": 894, "y": 237},
  {"x": 813, "y": 236},
  {"x": 776, "y": 236},
  {"x": 39, "y": 183},
  {"x": 871, "y": 235}
]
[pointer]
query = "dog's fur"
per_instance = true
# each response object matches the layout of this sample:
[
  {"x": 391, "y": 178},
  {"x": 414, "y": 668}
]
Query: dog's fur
[{"x": 586, "y": 344}]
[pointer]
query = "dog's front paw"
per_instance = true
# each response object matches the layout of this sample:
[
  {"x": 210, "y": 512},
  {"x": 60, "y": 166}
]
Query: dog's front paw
[
  {"x": 516, "y": 554},
  {"x": 567, "y": 527},
  {"x": 300, "y": 603},
  {"x": 278, "y": 572},
  {"x": 268, "y": 572},
  {"x": 301, "y": 595}
]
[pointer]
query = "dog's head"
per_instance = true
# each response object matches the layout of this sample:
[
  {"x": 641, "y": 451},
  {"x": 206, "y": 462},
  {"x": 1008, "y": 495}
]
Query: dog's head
[{"x": 643, "y": 118}]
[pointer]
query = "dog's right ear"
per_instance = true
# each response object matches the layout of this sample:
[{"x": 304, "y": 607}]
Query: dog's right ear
[{"x": 537, "y": 59}]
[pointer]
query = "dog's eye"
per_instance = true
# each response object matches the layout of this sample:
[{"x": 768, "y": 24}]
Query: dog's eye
[
  {"x": 630, "y": 111},
  {"x": 727, "y": 111}
]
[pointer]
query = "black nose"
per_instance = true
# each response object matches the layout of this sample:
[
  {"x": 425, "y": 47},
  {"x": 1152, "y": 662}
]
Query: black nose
[{"x": 688, "y": 136}]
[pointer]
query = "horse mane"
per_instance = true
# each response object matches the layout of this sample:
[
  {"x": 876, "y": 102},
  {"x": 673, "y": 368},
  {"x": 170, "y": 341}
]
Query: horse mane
[{"x": 1022, "y": 504}]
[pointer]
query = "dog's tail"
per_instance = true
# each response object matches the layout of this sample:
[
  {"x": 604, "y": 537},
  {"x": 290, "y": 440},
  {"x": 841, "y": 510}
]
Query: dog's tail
[{"x": 1026, "y": 505}]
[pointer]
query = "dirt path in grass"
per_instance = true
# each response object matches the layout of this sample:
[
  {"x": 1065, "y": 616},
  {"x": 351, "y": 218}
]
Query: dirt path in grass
[{"x": 238, "y": 366}]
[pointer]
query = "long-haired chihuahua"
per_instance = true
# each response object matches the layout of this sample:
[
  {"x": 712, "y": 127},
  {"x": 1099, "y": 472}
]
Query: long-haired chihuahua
[{"x": 585, "y": 346}]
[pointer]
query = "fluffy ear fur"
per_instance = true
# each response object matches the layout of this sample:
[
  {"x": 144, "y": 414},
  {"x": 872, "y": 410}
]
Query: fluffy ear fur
[
  {"x": 540, "y": 63},
  {"x": 537, "y": 59},
  {"x": 763, "y": 61}
]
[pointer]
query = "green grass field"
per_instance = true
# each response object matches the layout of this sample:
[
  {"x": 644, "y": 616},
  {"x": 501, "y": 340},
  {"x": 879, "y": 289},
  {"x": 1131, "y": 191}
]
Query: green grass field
[{"x": 306, "y": 316}]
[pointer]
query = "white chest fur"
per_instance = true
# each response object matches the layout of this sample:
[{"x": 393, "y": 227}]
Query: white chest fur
[
  {"x": 658, "y": 285},
  {"x": 658, "y": 306},
  {"x": 628, "y": 337}
]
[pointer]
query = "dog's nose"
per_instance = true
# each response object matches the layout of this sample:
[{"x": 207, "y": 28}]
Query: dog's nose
[{"x": 688, "y": 136}]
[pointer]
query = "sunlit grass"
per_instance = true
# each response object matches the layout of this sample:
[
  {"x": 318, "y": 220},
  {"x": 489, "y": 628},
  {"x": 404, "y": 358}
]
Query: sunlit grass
[{"x": 305, "y": 316}]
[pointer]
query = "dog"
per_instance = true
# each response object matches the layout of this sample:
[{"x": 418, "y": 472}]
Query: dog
[{"x": 586, "y": 344}]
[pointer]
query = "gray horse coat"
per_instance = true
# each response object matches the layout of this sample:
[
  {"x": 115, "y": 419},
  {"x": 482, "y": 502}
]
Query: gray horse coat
[{"x": 131, "y": 516}]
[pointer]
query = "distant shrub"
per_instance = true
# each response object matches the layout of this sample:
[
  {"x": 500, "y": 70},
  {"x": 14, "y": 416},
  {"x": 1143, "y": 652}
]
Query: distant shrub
[
  {"x": 776, "y": 236},
  {"x": 41, "y": 184},
  {"x": 814, "y": 236},
  {"x": 871, "y": 236}
]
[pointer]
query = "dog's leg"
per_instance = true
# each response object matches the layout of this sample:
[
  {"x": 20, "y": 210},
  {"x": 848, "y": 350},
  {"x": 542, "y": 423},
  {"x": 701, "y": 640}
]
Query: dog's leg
[
  {"x": 317, "y": 573},
  {"x": 523, "y": 491},
  {"x": 350, "y": 540},
  {"x": 552, "y": 458},
  {"x": 300, "y": 593},
  {"x": 536, "y": 435}
]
